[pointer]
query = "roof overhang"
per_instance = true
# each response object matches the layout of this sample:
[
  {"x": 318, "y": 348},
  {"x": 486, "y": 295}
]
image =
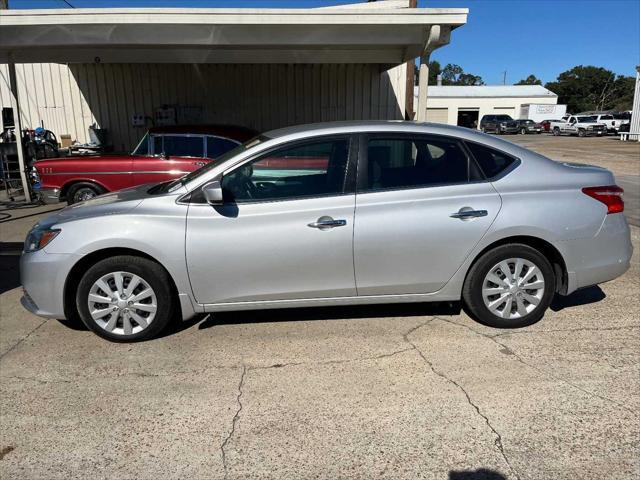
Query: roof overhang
[{"x": 129, "y": 35}]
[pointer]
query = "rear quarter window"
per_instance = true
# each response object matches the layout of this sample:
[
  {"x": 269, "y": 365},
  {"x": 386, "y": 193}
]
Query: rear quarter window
[{"x": 492, "y": 162}]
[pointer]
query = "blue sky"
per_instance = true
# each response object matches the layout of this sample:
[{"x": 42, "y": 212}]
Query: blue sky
[{"x": 542, "y": 37}]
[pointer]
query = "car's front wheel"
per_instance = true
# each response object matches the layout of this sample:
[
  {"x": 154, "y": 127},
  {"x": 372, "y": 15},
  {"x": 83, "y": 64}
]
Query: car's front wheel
[
  {"x": 510, "y": 286},
  {"x": 125, "y": 298},
  {"x": 523, "y": 131}
]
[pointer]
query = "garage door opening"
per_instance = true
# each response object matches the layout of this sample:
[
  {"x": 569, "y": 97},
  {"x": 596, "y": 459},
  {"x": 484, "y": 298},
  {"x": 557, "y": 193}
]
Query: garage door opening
[{"x": 468, "y": 118}]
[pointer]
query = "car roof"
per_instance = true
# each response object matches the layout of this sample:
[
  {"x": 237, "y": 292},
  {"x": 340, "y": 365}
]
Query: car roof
[
  {"x": 302, "y": 132},
  {"x": 234, "y": 132}
]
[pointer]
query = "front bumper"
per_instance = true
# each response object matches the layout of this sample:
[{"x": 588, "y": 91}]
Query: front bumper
[
  {"x": 43, "y": 276},
  {"x": 49, "y": 195}
]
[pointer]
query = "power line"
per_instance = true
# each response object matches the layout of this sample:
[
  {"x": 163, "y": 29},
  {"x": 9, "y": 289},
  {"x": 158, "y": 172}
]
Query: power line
[{"x": 65, "y": 1}]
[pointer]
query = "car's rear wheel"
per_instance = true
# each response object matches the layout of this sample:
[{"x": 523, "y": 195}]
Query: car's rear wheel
[
  {"x": 81, "y": 192},
  {"x": 125, "y": 298},
  {"x": 510, "y": 286},
  {"x": 523, "y": 131}
]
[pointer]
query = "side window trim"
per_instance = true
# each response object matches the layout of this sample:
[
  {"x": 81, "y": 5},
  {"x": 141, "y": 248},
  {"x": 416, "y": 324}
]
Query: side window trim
[{"x": 363, "y": 161}]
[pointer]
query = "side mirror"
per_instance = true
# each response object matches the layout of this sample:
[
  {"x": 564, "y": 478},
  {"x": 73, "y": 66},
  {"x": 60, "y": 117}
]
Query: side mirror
[{"x": 212, "y": 192}]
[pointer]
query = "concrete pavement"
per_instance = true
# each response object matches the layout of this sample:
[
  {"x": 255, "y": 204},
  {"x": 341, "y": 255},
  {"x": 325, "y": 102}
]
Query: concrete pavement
[{"x": 397, "y": 392}]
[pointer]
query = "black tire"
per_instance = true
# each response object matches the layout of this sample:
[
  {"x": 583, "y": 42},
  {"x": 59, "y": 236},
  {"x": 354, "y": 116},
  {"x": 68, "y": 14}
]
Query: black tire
[
  {"x": 151, "y": 272},
  {"x": 82, "y": 191},
  {"x": 472, "y": 289},
  {"x": 581, "y": 132},
  {"x": 498, "y": 132},
  {"x": 556, "y": 131},
  {"x": 523, "y": 131}
]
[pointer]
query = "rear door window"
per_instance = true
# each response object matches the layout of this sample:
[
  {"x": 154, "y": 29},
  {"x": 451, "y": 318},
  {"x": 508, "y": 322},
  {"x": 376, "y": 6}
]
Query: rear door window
[
  {"x": 416, "y": 162},
  {"x": 492, "y": 162}
]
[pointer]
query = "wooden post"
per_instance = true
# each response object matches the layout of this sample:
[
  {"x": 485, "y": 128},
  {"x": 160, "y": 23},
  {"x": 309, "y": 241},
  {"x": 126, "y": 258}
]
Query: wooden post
[{"x": 13, "y": 84}]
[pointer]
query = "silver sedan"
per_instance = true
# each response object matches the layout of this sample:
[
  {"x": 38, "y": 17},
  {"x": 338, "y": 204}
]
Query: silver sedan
[{"x": 334, "y": 214}]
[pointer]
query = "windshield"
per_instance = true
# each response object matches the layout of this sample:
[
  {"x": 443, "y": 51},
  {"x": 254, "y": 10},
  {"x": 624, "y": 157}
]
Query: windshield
[
  {"x": 504, "y": 118},
  {"x": 223, "y": 158},
  {"x": 143, "y": 146}
]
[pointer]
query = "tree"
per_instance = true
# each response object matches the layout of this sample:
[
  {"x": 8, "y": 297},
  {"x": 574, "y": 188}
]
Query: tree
[
  {"x": 434, "y": 71},
  {"x": 454, "y": 75},
  {"x": 585, "y": 88},
  {"x": 530, "y": 80},
  {"x": 451, "y": 75}
]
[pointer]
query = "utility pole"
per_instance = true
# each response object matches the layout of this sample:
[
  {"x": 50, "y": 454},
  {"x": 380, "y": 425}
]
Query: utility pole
[{"x": 504, "y": 77}]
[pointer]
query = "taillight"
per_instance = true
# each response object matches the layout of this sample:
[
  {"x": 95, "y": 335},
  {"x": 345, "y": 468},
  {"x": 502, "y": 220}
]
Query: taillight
[{"x": 610, "y": 195}]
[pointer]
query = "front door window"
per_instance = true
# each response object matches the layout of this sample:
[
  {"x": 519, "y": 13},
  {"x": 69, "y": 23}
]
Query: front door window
[{"x": 305, "y": 170}]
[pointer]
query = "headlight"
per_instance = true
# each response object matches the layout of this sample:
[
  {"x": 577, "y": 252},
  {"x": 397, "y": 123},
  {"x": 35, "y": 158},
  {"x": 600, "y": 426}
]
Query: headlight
[{"x": 39, "y": 238}]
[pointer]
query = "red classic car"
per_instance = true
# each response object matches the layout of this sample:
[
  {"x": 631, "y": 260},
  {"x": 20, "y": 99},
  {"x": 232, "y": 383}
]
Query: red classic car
[{"x": 164, "y": 153}]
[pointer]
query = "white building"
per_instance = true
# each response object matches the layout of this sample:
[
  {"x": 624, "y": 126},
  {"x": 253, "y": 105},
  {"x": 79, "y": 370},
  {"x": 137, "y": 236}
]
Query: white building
[{"x": 465, "y": 105}]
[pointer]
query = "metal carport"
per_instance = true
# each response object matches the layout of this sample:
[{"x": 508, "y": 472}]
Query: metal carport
[{"x": 272, "y": 67}]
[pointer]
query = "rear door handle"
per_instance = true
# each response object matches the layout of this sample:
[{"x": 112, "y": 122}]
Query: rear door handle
[
  {"x": 324, "y": 223},
  {"x": 467, "y": 213}
]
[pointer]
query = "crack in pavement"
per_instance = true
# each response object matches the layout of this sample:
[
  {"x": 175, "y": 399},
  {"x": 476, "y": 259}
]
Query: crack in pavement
[
  {"x": 233, "y": 423},
  {"x": 211, "y": 367},
  {"x": 22, "y": 339},
  {"x": 331, "y": 362},
  {"x": 236, "y": 417},
  {"x": 539, "y": 370},
  {"x": 585, "y": 329},
  {"x": 498, "y": 438},
  {"x": 36, "y": 379}
]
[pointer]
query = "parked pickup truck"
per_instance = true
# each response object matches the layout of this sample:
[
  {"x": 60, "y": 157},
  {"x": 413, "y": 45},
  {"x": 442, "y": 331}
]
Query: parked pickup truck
[
  {"x": 581, "y": 125},
  {"x": 164, "y": 153}
]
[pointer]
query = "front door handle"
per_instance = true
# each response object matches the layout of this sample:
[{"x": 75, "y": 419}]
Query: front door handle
[
  {"x": 468, "y": 213},
  {"x": 200, "y": 164},
  {"x": 325, "y": 223}
]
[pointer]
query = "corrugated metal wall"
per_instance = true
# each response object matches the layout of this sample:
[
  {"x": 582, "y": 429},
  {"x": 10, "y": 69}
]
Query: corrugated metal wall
[{"x": 70, "y": 98}]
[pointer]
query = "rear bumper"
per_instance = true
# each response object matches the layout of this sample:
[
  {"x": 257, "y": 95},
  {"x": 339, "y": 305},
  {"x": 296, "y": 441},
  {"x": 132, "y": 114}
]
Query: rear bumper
[{"x": 606, "y": 256}]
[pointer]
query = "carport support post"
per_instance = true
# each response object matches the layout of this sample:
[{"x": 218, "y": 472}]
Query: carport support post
[
  {"x": 13, "y": 84},
  {"x": 438, "y": 36}
]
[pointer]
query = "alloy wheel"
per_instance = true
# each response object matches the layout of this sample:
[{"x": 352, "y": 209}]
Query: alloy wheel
[
  {"x": 122, "y": 303},
  {"x": 513, "y": 288}
]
